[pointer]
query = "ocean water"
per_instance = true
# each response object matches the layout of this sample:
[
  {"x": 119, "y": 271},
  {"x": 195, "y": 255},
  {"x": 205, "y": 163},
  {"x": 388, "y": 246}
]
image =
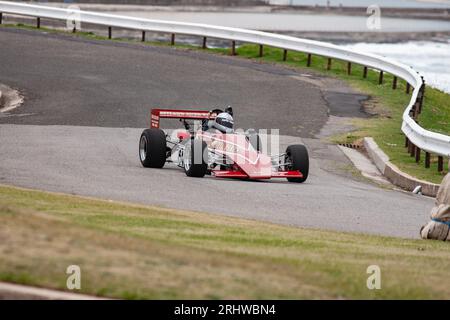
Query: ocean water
[{"x": 430, "y": 59}]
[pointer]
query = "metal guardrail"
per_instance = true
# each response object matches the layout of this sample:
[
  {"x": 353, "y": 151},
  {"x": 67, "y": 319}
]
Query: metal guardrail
[{"x": 417, "y": 138}]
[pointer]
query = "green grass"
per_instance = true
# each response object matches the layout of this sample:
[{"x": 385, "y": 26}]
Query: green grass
[
  {"x": 388, "y": 104},
  {"x": 132, "y": 251}
]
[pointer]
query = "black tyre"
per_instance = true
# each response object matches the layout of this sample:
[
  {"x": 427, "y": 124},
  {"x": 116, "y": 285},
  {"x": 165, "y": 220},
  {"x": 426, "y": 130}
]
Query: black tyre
[
  {"x": 297, "y": 156},
  {"x": 152, "y": 148},
  {"x": 195, "y": 155}
]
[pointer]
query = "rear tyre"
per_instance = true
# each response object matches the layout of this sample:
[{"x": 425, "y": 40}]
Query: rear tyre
[
  {"x": 195, "y": 154},
  {"x": 297, "y": 156},
  {"x": 152, "y": 148}
]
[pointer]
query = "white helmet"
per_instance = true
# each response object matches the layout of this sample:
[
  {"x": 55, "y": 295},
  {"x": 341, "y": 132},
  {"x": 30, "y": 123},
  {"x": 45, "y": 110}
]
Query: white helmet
[{"x": 224, "y": 122}]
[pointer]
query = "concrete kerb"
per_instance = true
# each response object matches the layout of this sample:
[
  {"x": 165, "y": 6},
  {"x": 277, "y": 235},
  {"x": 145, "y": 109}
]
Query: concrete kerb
[{"x": 394, "y": 174}]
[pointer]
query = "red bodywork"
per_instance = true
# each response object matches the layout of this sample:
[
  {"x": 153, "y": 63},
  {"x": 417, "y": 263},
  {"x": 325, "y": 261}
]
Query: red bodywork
[
  {"x": 158, "y": 114},
  {"x": 247, "y": 162}
]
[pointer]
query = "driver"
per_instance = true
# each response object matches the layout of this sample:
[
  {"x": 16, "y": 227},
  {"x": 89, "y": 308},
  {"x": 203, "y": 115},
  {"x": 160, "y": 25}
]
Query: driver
[{"x": 223, "y": 122}]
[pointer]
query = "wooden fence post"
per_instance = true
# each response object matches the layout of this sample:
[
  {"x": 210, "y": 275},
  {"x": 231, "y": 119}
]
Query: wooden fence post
[
  {"x": 233, "y": 48},
  {"x": 394, "y": 83},
  {"x": 440, "y": 163},
  {"x": 380, "y": 80},
  {"x": 427, "y": 159}
]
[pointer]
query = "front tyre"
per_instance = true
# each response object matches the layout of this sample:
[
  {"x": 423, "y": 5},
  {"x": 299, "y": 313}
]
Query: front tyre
[
  {"x": 298, "y": 159},
  {"x": 195, "y": 153},
  {"x": 152, "y": 148}
]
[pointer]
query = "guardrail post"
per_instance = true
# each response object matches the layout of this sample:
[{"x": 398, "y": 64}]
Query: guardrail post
[
  {"x": 109, "y": 32},
  {"x": 349, "y": 68},
  {"x": 233, "y": 48},
  {"x": 143, "y": 36},
  {"x": 416, "y": 110},
  {"x": 308, "y": 63},
  {"x": 417, "y": 154},
  {"x": 329, "y": 64},
  {"x": 427, "y": 159},
  {"x": 261, "y": 50},
  {"x": 204, "y": 43},
  {"x": 411, "y": 112},
  {"x": 38, "y": 22},
  {"x": 418, "y": 103},
  {"x": 284, "y": 55},
  {"x": 1, "y": 17},
  {"x": 440, "y": 163},
  {"x": 380, "y": 80},
  {"x": 422, "y": 96},
  {"x": 172, "y": 39},
  {"x": 410, "y": 146},
  {"x": 394, "y": 83},
  {"x": 408, "y": 87},
  {"x": 412, "y": 152},
  {"x": 365, "y": 72}
]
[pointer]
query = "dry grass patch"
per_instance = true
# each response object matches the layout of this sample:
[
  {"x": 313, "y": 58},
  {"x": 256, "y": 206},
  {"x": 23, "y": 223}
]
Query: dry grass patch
[{"x": 131, "y": 251}]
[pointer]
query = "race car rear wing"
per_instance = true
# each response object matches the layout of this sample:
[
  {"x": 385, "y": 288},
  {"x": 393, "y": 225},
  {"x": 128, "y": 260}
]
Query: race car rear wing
[{"x": 157, "y": 114}]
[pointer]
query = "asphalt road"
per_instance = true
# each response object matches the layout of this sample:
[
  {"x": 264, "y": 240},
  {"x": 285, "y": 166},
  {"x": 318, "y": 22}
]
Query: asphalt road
[
  {"x": 86, "y": 103},
  {"x": 77, "y": 82}
]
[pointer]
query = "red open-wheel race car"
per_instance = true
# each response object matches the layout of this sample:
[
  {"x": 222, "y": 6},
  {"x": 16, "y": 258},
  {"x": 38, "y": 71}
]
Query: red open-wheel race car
[{"x": 209, "y": 145}]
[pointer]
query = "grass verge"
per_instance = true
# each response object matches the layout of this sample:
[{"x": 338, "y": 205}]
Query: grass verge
[{"x": 131, "y": 251}]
